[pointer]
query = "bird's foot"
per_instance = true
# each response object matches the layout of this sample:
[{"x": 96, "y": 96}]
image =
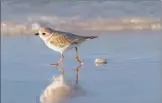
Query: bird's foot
[{"x": 81, "y": 63}]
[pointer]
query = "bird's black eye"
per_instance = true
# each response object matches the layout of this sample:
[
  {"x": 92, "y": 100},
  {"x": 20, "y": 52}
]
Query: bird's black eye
[{"x": 44, "y": 33}]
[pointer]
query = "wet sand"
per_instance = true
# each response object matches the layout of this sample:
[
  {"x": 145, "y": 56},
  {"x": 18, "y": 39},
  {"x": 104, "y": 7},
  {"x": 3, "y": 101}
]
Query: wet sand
[{"x": 132, "y": 74}]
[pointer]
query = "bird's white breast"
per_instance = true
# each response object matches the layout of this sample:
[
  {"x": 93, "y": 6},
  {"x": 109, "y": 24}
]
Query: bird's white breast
[
  {"x": 56, "y": 48},
  {"x": 59, "y": 49}
]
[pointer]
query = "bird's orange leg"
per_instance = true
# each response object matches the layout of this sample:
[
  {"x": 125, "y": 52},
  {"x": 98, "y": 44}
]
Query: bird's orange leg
[
  {"x": 62, "y": 57},
  {"x": 77, "y": 58}
]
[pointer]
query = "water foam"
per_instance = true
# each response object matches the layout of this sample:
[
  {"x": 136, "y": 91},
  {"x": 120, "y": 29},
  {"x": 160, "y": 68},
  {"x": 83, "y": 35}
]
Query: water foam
[{"x": 78, "y": 25}]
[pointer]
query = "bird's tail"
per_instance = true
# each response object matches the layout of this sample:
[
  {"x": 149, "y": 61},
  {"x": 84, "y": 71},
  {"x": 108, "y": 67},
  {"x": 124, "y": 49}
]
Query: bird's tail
[{"x": 91, "y": 37}]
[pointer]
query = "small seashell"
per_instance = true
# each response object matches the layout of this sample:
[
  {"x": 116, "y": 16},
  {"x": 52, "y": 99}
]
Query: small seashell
[{"x": 101, "y": 61}]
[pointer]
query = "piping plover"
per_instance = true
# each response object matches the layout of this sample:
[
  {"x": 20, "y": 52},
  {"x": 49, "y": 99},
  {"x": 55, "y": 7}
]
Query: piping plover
[{"x": 62, "y": 41}]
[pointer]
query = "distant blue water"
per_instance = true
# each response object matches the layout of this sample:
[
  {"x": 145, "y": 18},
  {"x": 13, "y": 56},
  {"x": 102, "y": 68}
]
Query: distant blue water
[
  {"x": 86, "y": 9},
  {"x": 132, "y": 74}
]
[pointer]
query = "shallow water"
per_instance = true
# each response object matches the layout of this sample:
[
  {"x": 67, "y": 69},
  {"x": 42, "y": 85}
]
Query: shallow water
[{"x": 132, "y": 74}]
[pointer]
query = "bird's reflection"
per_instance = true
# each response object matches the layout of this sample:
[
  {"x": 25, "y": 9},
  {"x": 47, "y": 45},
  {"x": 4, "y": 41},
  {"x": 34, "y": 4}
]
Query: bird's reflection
[{"x": 60, "y": 89}]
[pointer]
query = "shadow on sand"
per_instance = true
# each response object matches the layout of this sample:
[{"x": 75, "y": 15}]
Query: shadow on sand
[{"x": 60, "y": 90}]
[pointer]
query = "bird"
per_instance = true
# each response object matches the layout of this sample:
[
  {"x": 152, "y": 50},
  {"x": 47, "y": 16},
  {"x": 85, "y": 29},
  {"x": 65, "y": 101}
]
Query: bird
[{"x": 61, "y": 41}]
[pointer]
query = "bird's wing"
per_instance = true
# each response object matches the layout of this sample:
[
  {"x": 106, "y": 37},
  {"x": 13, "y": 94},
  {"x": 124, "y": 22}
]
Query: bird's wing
[{"x": 64, "y": 38}]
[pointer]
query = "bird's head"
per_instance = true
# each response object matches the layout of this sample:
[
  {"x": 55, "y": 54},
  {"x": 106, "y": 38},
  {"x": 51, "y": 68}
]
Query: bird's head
[{"x": 44, "y": 33}]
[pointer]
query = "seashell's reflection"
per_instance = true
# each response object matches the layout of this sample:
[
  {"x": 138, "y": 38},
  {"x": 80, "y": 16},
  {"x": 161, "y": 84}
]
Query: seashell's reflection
[
  {"x": 60, "y": 90},
  {"x": 100, "y": 64}
]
